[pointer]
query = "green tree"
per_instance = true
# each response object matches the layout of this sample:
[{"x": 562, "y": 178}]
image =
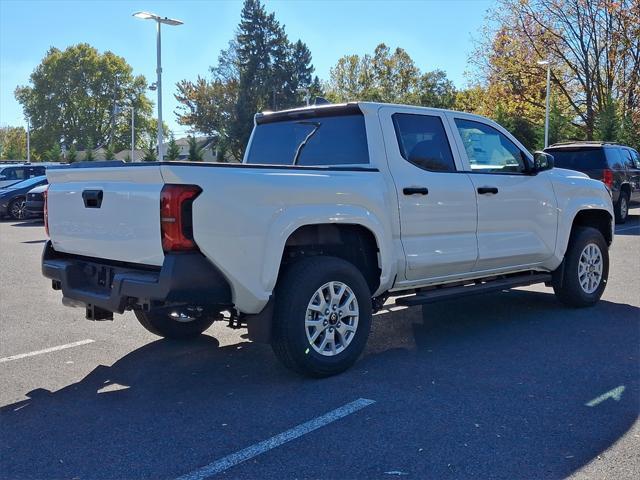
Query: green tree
[
  {"x": 88, "y": 153},
  {"x": 195, "y": 152},
  {"x": 73, "y": 94},
  {"x": 54, "y": 154},
  {"x": 13, "y": 143},
  {"x": 260, "y": 70},
  {"x": 72, "y": 154},
  {"x": 560, "y": 127},
  {"x": 109, "y": 153},
  {"x": 173, "y": 150},
  {"x": 391, "y": 77},
  {"x": 607, "y": 125},
  {"x": 150, "y": 154}
]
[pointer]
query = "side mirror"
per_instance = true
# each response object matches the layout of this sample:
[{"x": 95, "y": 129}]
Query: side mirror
[{"x": 542, "y": 161}]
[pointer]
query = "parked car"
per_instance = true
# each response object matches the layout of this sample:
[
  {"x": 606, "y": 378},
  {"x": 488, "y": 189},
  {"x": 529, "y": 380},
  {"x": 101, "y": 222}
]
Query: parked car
[
  {"x": 35, "y": 201},
  {"x": 13, "y": 198},
  {"x": 12, "y": 174},
  {"x": 334, "y": 208},
  {"x": 616, "y": 165}
]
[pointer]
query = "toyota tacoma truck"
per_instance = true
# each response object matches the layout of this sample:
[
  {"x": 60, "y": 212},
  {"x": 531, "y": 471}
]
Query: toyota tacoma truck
[{"x": 333, "y": 209}]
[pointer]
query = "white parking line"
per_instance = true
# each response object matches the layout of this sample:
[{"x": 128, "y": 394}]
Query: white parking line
[
  {"x": 46, "y": 350},
  {"x": 627, "y": 228},
  {"x": 273, "y": 442}
]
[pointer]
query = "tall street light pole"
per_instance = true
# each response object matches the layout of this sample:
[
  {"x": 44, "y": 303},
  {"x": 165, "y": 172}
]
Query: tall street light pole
[
  {"x": 28, "y": 141},
  {"x": 133, "y": 134},
  {"x": 546, "y": 116},
  {"x": 159, "y": 21}
]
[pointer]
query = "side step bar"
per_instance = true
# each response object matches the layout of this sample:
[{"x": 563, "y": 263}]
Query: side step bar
[{"x": 445, "y": 293}]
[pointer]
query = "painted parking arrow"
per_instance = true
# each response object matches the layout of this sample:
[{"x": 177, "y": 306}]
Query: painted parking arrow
[{"x": 616, "y": 394}]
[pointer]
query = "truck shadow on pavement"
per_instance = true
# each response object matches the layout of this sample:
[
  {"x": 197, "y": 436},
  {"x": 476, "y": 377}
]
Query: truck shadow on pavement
[
  {"x": 630, "y": 227},
  {"x": 488, "y": 387}
]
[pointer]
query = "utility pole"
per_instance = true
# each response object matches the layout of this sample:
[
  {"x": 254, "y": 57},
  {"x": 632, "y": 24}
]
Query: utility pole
[
  {"x": 133, "y": 134},
  {"x": 159, "y": 21},
  {"x": 547, "y": 63},
  {"x": 28, "y": 140},
  {"x": 159, "y": 84}
]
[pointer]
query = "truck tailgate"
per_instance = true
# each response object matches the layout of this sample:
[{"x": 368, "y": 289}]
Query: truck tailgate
[{"x": 109, "y": 212}]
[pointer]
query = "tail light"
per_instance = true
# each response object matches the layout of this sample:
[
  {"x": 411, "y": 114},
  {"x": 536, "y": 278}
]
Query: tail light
[
  {"x": 45, "y": 195},
  {"x": 176, "y": 220},
  {"x": 607, "y": 178}
]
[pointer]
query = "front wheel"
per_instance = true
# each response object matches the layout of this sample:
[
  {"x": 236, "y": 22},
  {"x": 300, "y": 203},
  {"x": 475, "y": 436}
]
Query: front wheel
[
  {"x": 322, "y": 316},
  {"x": 178, "y": 325},
  {"x": 581, "y": 281}
]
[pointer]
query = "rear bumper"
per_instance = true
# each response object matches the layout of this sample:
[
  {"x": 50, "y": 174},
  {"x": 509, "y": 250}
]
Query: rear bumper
[
  {"x": 35, "y": 207},
  {"x": 183, "y": 279}
]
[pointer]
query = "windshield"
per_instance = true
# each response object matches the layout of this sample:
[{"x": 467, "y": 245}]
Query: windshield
[
  {"x": 578, "y": 159},
  {"x": 332, "y": 140},
  {"x": 27, "y": 183}
]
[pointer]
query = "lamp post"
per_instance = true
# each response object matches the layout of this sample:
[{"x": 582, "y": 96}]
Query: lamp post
[
  {"x": 159, "y": 21},
  {"x": 28, "y": 141},
  {"x": 546, "y": 116}
]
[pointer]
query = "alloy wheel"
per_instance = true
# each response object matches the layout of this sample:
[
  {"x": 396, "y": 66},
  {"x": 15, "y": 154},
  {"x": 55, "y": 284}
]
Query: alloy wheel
[
  {"x": 590, "y": 268},
  {"x": 331, "y": 320}
]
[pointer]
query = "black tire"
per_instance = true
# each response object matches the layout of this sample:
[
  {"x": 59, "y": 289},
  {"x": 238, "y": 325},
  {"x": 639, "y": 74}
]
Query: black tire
[
  {"x": 295, "y": 290},
  {"x": 162, "y": 324},
  {"x": 17, "y": 210},
  {"x": 566, "y": 282},
  {"x": 621, "y": 208}
]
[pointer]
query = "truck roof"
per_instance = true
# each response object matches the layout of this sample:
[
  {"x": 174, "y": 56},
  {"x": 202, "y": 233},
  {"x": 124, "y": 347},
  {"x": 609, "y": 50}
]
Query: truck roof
[
  {"x": 583, "y": 143},
  {"x": 341, "y": 109}
]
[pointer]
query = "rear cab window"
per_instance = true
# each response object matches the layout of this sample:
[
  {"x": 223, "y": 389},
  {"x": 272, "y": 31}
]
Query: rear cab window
[{"x": 327, "y": 138}]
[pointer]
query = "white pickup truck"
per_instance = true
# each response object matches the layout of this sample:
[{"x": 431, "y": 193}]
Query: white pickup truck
[{"x": 333, "y": 209}]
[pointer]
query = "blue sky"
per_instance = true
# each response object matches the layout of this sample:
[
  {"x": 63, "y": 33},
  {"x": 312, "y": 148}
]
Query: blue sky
[{"x": 436, "y": 33}]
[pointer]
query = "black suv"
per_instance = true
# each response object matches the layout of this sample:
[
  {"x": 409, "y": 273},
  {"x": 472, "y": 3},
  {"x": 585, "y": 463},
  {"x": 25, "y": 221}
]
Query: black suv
[{"x": 615, "y": 165}]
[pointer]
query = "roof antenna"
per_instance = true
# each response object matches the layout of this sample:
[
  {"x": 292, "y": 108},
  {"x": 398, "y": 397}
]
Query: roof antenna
[{"x": 321, "y": 101}]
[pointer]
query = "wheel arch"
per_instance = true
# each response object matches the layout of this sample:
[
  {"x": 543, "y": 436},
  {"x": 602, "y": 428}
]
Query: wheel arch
[
  {"x": 352, "y": 242},
  {"x": 332, "y": 226},
  {"x": 601, "y": 220}
]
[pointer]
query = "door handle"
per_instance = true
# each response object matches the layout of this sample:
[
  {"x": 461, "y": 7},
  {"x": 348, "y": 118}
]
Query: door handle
[
  {"x": 486, "y": 190},
  {"x": 415, "y": 190}
]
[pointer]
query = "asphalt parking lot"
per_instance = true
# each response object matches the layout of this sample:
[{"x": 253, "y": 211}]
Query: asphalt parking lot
[{"x": 510, "y": 385}]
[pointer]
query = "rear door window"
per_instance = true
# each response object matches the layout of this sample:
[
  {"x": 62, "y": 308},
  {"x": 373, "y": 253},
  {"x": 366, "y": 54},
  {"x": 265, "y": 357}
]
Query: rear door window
[
  {"x": 36, "y": 171},
  {"x": 616, "y": 158},
  {"x": 579, "y": 159},
  {"x": 423, "y": 142},
  {"x": 628, "y": 159},
  {"x": 316, "y": 141}
]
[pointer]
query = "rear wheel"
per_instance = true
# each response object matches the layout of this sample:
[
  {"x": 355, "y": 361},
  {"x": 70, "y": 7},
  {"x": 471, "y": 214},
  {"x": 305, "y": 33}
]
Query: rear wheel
[
  {"x": 583, "y": 277},
  {"x": 622, "y": 208},
  {"x": 322, "y": 316},
  {"x": 18, "y": 209},
  {"x": 179, "y": 324}
]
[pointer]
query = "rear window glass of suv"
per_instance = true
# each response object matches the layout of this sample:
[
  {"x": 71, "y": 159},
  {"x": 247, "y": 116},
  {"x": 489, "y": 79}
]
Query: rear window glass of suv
[
  {"x": 578, "y": 159},
  {"x": 316, "y": 141}
]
